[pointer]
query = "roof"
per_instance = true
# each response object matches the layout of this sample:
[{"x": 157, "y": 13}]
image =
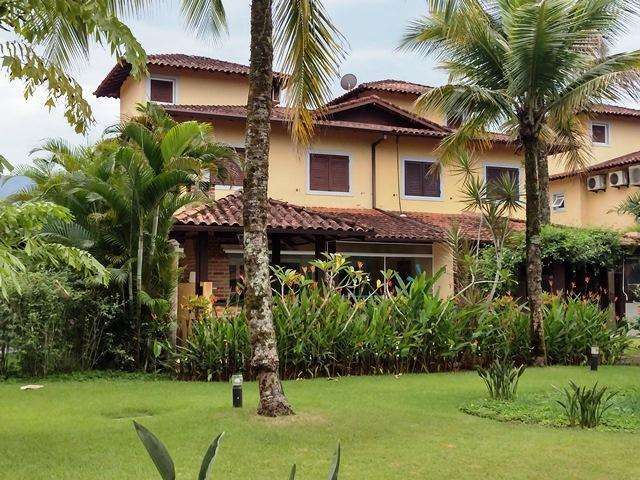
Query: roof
[
  {"x": 369, "y": 224},
  {"x": 280, "y": 114},
  {"x": 623, "y": 161},
  {"x": 388, "y": 85},
  {"x": 605, "y": 109},
  {"x": 110, "y": 86},
  {"x": 227, "y": 212}
]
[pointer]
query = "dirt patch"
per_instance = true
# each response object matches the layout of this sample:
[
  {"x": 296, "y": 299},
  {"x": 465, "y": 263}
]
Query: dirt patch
[{"x": 304, "y": 418}]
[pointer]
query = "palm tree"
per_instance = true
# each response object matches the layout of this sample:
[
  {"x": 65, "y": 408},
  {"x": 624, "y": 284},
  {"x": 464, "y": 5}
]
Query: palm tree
[{"x": 526, "y": 68}]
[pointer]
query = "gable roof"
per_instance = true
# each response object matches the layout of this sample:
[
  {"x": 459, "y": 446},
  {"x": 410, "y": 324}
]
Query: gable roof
[
  {"x": 110, "y": 85},
  {"x": 280, "y": 115},
  {"x": 622, "y": 161},
  {"x": 333, "y": 111},
  {"x": 389, "y": 85}
]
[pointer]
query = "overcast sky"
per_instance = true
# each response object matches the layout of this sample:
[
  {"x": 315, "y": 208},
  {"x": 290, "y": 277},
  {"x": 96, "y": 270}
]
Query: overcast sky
[{"x": 373, "y": 28}]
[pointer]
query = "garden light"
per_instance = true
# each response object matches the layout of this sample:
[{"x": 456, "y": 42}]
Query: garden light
[
  {"x": 236, "y": 381},
  {"x": 595, "y": 358}
]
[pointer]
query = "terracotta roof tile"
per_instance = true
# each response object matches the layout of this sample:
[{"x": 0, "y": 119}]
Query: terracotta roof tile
[
  {"x": 388, "y": 85},
  {"x": 110, "y": 86},
  {"x": 605, "y": 109},
  {"x": 623, "y": 161},
  {"x": 227, "y": 212}
]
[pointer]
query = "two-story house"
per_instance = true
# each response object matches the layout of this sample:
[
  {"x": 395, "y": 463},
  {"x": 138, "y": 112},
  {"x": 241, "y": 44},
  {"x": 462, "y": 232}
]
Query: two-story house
[{"x": 365, "y": 186}]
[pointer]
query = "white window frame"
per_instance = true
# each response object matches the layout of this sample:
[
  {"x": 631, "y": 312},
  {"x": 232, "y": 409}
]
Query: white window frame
[
  {"x": 420, "y": 197},
  {"x": 564, "y": 202},
  {"x": 164, "y": 78},
  {"x": 348, "y": 193},
  {"x": 230, "y": 187},
  {"x": 607, "y": 132},
  {"x": 506, "y": 165}
]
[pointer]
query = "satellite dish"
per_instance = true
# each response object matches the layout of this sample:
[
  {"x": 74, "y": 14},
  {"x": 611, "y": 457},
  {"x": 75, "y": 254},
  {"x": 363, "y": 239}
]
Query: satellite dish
[{"x": 349, "y": 81}]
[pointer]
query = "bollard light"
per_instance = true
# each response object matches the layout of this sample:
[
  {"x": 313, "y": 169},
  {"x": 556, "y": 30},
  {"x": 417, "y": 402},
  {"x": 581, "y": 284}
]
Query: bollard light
[
  {"x": 236, "y": 382},
  {"x": 595, "y": 358}
]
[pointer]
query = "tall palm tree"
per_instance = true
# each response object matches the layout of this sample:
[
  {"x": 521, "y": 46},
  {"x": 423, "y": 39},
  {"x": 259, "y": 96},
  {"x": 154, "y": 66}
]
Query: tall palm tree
[{"x": 527, "y": 68}]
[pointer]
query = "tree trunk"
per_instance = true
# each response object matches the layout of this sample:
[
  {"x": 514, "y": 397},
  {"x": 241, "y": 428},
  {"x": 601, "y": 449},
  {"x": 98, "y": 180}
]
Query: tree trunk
[
  {"x": 543, "y": 181},
  {"x": 532, "y": 152},
  {"x": 257, "y": 295},
  {"x": 139, "y": 260}
]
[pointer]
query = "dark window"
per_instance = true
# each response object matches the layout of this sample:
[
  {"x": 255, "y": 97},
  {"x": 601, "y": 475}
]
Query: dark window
[
  {"x": 275, "y": 92},
  {"x": 235, "y": 173},
  {"x": 328, "y": 173},
  {"x": 599, "y": 133},
  {"x": 494, "y": 175},
  {"x": 161, "y": 90},
  {"x": 420, "y": 180}
]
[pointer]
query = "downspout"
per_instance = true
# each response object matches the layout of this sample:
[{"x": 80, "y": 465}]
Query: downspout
[{"x": 373, "y": 170}]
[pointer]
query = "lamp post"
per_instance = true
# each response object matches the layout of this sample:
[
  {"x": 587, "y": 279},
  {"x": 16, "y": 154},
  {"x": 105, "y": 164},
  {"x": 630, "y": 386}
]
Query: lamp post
[
  {"x": 595, "y": 358},
  {"x": 236, "y": 382}
]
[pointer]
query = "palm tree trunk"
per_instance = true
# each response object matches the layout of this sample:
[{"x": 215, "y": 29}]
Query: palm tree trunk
[
  {"x": 543, "y": 181},
  {"x": 139, "y": 260},
  {"x": 258, "y": 300},
  {"x": 154, "y": 233},
  {"x": 532, "y": 152}
]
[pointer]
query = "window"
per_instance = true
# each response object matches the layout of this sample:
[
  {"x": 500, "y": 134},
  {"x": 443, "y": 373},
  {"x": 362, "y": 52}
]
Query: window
[
  {"x": 600, "y": 133},
  {"x": 162, "y": 90},
  {"x": 557, "y": 202},
  {"x": 421, "y": 180},
  {"x": 494, "y": 174},
  {"x": 328, "y": 173},
  {"x": 234, "y": 172}
]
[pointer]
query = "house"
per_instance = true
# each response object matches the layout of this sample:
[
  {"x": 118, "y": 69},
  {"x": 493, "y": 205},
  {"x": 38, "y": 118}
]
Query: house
[
  {"x": 590, "y": 196},
  {"x": 365, "y": 187}
]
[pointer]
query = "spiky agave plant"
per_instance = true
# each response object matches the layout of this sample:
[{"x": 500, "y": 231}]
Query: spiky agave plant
[
  {"x": 164, "y": 464},
  {"x": 501, "y": 379}
]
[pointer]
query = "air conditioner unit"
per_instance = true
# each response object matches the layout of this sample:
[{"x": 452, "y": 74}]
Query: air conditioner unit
[
  {"x": 634, "y": 175},
  {"x": 596, "y": 182},
  {"x": 618, "y": 178}
]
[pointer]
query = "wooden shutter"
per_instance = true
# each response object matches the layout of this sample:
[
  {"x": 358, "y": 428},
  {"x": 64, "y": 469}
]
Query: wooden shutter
[
  {"x": 430, "y": 181},
  {"x": 413, "y": 179},
  {"x": 338, "y": 174},
  {"x": 161, "y": 91},
  {"x": 494, "y": 174},
  {"x": 319, "y": 172},
  {"x": 419, "y": 181}
]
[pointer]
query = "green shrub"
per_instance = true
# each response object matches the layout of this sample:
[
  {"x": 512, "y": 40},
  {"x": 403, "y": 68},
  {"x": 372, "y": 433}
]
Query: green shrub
[
  {"x": 58, "y": 324},
  {"x": 585, "y": 406},
  {"x": 501, "y": 379},
  {"x": 345, "y": 325}
]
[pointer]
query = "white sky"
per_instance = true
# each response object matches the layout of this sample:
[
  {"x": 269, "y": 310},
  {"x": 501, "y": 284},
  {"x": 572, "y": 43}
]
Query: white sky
[{"x": 372, "y": 27}]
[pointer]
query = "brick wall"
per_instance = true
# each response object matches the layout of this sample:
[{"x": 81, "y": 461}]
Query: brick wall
[{"x": 217, "y": 268}]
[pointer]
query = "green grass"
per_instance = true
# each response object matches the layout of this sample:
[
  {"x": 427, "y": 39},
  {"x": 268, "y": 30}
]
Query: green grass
[{"x": 390, "y": 428}]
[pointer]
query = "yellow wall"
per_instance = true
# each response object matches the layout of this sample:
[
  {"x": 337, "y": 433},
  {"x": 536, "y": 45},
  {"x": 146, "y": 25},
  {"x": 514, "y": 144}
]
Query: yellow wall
[
  {"x": 288, "y": 174},
  {"x": 192, "y": 88},
  {"x": 591, "y": 209},
  {"x": 624, "y": 138}
]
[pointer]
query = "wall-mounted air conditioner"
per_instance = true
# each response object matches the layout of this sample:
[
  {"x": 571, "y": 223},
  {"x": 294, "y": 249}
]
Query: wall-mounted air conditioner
[
  {"x": 618, "y": 178},
  {"x": 596, "y": 182},
  {"x": 634, "y": 175}
]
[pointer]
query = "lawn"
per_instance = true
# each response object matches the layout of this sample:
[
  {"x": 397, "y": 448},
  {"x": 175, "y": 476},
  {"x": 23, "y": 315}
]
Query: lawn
[{"x": 389, "y": 428}]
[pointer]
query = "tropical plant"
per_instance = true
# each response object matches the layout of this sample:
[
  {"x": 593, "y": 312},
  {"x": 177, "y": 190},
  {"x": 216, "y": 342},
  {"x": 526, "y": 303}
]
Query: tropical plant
[
  {"x": 164, "y": 464},
  {"x": 123, "y": 193},
  {"x": 48, "y": 35},
  {"x": 526, "y": 68},
  {"x": 586, "y": 406},
  {"x": 501, "y": 379}
]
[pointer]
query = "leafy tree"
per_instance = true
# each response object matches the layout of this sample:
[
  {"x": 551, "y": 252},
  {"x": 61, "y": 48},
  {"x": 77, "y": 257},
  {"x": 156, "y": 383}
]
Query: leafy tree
[
  {"x": 526, "y": 68},
  {"x": 50, "y": 34}
]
